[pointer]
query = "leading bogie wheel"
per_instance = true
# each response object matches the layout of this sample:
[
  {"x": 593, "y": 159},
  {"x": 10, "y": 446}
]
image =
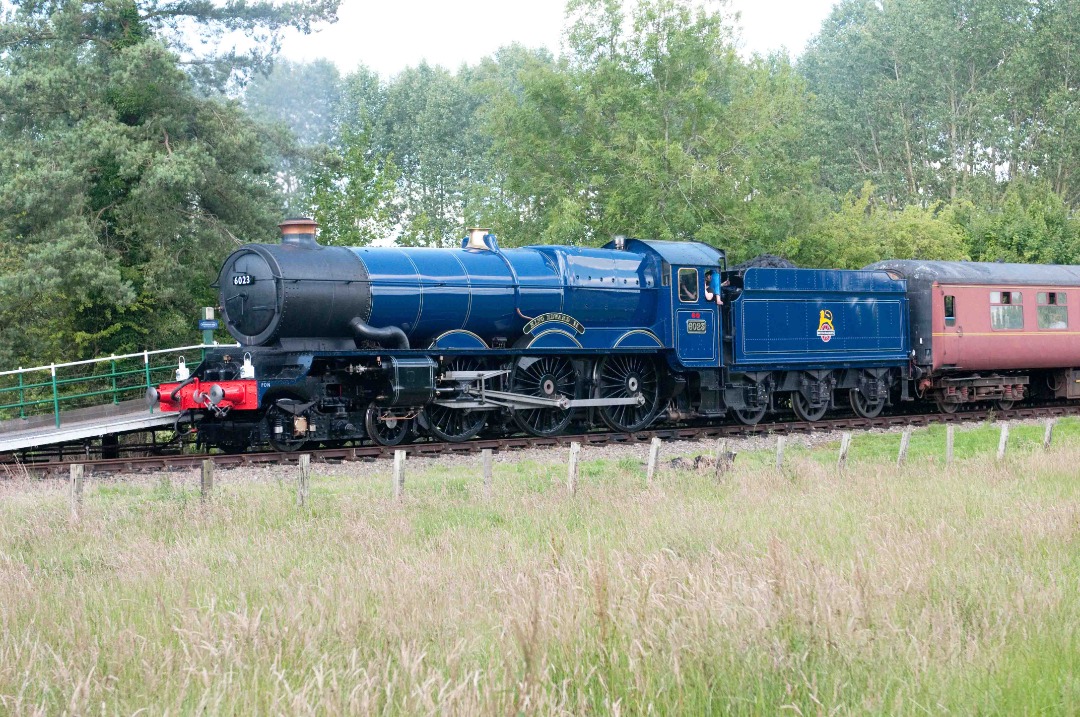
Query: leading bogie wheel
[
  {"x": 385, "y": 428},
  {"x": 619, "y": 376},
  {"x": 283, "y": 440}
]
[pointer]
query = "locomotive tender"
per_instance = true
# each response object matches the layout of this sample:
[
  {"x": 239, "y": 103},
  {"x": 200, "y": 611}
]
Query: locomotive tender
[{"x": 388, "y": 343}]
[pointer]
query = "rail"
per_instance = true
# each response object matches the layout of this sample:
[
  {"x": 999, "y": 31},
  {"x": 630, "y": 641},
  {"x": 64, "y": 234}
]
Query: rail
[{"x": 83, "y": 384}]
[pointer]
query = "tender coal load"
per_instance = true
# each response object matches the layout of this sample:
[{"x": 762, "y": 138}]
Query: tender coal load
[{"x": 764, "y": 261}]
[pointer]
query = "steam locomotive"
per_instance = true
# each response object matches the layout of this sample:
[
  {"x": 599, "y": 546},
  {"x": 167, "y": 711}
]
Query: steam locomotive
[{"x": 388, "y": 344}]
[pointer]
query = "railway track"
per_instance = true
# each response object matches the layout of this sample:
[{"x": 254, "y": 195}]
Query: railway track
[{"x": 433, "y": 448}]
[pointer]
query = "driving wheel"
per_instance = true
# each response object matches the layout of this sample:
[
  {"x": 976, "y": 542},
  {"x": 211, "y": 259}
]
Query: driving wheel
[
  {"x": 628, "y": 377},
  {"x": 548, "y": 377},
  {"x": 456, "y": 424}
]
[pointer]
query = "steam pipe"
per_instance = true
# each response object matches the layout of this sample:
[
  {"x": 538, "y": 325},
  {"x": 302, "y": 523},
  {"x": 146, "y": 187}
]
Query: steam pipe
[{"x": 390, "y": 336}]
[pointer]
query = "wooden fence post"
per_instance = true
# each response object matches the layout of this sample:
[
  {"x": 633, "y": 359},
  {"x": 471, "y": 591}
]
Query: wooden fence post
[
  {"x": 845, "y": 444},
  {"x": 399, "y": 475},
  {"x": 206, "y": 478},
  {"x": 721, "y": 457},
  {"x": 571, "y": 475},
  {"x": 1003, "y": 442},
  {"x": 779, "y": 452},
  {"x": 1048, "y": 435},
  {"x": 950, "y": 435},
  {"x": 303, "y": 466},
  {"x": 654, "y": 459},
  {"x": 76, "y": 490},
  {"x": 905, "y": 440},
  {"x": 488, "y": 470}
]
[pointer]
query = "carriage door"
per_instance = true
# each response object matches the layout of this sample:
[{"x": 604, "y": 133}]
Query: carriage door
[
  {"x": 946, "y": 331},
  {"x": 697, "y": 335}
]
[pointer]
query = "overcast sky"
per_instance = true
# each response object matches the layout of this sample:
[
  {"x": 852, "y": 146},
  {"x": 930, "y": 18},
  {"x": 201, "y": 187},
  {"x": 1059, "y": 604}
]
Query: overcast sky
[{"x": 390, "y": 35}]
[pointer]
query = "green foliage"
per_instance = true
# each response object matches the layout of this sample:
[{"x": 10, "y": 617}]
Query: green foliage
[
  {"x": 653, "y": 126},
  {"x": 350, "y": 196},
  {"x": 943, "y": 100},
  {"x": 863, "y": 231},
  {"x": 1031, "y": 223},
  {"x": 301, "y": 106},
  {"x": 909, "y": 128},
  {"x": 122, "y": 182},
  {"x": 428, "y": 124}
]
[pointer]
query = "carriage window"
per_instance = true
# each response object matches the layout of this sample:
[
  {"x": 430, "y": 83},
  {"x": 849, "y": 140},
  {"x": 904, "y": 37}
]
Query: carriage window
[
  {"x": 1006, "y": 310},
  {"x": 688, "y": 285},
  {"x": 950, "y": 310},
  {"x": 1053, "y": 313}
]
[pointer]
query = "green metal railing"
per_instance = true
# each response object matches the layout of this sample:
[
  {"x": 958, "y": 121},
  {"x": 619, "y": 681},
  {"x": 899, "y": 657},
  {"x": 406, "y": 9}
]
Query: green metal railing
[{"x": 82, "y": 384}]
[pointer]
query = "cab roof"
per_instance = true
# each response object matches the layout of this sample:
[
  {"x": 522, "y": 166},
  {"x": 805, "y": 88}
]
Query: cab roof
[{"x": 691, "y": 253}]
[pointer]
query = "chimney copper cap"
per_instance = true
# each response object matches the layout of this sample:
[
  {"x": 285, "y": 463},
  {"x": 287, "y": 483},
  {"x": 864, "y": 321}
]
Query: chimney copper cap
[{"x": 298, "y": 230}]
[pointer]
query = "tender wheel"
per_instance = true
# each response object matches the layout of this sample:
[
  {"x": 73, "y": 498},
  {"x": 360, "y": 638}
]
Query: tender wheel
[
  {"x": 284, "y": 441},
  {"x": 944, "y": 407},
  {"x": 544, "y": 377},
  {"x": 1003, "y": 405},
  {"x": 628, "y": 377},
  {"x": 455, "y": 424},
  {"x": 747, "y": 416},
  {"x": 863, "y": 406},
  {"x": 803, "y": 411},
  {"x": 386, "y": 429}
]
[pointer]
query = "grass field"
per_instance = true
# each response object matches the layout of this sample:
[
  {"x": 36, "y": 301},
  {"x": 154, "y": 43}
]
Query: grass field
[{"x": 914, "y": 591}]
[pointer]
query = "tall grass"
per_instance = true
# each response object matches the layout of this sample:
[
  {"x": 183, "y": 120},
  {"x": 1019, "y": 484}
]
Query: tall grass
[{"x": 876, "y": 590}]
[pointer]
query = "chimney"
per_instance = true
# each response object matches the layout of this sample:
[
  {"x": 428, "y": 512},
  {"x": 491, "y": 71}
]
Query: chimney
[{"x": 298, "y": 230}]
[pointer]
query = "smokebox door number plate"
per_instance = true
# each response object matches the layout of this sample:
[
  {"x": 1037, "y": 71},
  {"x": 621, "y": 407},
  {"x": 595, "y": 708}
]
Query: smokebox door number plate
[
  {"x": 241, "y": 279},
  {"x": 695, "y": 326}
]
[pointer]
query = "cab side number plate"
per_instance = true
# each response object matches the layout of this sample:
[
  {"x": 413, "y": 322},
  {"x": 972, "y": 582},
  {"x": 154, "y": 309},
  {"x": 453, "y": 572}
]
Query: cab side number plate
[{"x": 695, "y": 326}]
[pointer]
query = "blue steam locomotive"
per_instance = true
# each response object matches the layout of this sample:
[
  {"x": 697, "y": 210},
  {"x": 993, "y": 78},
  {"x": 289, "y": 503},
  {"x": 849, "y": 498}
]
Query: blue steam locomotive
[{"x": 385, "y": 343}]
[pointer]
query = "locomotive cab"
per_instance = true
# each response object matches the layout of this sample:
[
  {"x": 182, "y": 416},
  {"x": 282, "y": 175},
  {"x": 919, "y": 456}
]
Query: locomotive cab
[{"x": 696, "y": 315}]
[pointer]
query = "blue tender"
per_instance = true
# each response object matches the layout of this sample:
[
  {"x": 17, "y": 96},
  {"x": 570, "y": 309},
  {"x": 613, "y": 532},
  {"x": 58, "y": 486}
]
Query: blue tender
[{"x": 787, "y": 319}]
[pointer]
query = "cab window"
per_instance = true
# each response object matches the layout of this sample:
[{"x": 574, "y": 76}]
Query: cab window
[
  {"x": 1006, "y": 310},
  {"x": 1052, "y": 312},
  {"x": 688, "y": 285}
]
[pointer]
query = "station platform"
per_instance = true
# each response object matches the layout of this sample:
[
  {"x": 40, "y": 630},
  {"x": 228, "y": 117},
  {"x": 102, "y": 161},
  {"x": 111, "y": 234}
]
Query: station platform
[{"x": 80, "y": 424}]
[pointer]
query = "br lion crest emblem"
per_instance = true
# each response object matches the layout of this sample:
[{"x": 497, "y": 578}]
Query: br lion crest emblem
[{"x": 825, "y": 329}]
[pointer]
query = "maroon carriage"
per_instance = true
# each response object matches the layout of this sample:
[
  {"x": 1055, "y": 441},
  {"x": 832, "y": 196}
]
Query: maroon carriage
[{"x": 992, "y": 332}]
